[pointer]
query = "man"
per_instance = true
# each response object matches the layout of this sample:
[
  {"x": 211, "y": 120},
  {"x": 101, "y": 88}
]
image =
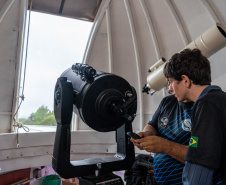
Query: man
[
  {"x": 167, "y": 134},
  {"x": 189, "y": 76}
]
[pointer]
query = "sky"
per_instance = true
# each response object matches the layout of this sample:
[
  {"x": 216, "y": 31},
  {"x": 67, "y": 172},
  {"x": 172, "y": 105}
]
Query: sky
[{"x": 55, "y": 43}]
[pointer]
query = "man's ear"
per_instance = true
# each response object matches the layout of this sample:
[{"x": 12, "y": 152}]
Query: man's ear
[{"x": 187, "y": 81}]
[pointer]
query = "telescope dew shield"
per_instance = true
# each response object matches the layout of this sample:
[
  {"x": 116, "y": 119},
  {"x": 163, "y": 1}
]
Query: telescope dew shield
[
  {"x": 101, "y": 102},
  {"x": 211, "y": 41}
]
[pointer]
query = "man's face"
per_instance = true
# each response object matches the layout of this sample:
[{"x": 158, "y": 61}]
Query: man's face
[{"x": 178, "y": 89}]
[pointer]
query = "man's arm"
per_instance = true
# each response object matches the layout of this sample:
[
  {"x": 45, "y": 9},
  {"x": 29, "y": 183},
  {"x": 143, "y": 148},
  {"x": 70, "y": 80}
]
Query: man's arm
[
  {"x": 150, "y": 130},
  {"x": 176, "y": 150},
  {"x": 156, "y": 144}
]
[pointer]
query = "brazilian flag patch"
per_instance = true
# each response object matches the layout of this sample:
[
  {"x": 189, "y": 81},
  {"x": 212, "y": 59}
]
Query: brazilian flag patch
[{"x": 193, "y": 141}]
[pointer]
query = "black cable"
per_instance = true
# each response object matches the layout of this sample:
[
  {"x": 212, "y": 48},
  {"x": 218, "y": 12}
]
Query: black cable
[
  {"x": 61, "y": 6},
  {"x": 25, "y": 60}
]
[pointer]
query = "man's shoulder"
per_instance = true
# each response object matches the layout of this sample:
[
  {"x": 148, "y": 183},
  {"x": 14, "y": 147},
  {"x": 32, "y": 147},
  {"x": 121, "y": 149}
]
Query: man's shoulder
[
  {"x": 168, "y": 101},
  {"x": 215, "y": 98},
  {"x": 214, "y": 95},
  {"x": 170, "y": 98}
]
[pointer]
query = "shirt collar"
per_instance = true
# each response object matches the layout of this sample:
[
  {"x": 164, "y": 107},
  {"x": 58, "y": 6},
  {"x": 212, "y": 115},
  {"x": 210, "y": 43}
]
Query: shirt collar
[{"x": 208, "y": 89}]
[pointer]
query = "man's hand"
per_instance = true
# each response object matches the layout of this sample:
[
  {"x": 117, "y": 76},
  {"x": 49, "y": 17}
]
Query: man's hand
[
  {"x": 136, "y": 141},
  {"x": 154, "y": 144},
  {"x": 147, "y": 131}
]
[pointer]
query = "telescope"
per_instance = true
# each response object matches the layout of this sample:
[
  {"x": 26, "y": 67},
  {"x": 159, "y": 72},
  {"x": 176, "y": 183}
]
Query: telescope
[
  {"x": 211, "y": 41},
  {"x": 105, "y": 102}
]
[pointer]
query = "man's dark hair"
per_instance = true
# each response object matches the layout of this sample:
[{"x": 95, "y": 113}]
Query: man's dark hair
[{"x": 190, "y": 63}]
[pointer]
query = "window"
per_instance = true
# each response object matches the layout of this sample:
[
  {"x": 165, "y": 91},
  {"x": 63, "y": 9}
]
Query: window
[{"x": 55, "y": 43}]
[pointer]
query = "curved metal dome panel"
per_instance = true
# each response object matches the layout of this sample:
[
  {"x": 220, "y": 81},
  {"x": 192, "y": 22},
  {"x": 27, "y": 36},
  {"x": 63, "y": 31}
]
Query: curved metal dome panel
[{"x": 139, "y": 32}]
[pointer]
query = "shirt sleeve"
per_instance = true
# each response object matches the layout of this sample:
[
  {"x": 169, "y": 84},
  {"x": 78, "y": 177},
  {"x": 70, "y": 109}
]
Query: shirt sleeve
[
  {"x": 154, "y": 120},
  {"x": 206, "y": 144},
  {"x": 197, "y": 175}
]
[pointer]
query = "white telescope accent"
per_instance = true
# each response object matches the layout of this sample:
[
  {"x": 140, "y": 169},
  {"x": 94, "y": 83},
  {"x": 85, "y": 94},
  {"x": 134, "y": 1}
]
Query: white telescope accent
[{"x": 211, "y": 41}]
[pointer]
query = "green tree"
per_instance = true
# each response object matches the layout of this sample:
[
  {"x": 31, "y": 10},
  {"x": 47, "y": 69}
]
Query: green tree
[
  {"x": 27, "y": 122},
  {"x": 43, "y": 116},
  {"x": 31, "y": 117},
  {"x": 49, "y": 120},
  {"x": 40, "y": 114},
  {"x": 22, "y": 119}
]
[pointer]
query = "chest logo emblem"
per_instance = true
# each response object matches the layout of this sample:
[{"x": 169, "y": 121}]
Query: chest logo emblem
[
  {"x": 164, "y": 122},
  {"x": 186, "y": 125}
]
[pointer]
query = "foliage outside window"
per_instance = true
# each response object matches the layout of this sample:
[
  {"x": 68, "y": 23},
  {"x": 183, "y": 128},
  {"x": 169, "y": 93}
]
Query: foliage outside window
[{"x": 43, "y": 116}]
